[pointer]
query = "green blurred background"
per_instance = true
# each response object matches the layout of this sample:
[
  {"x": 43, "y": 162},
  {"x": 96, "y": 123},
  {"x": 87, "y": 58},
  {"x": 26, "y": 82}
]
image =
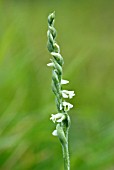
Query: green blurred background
[{"x": 86, "y": 37}]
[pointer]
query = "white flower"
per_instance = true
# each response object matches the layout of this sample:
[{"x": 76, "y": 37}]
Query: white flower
[
  {"x": 68, "y": 94},
  {"x": 50, "y": 64},
  {"x": 59, "y": 117},
  {"x": 54, "y": 133},
  {"x": 67, "y": 106},
  {"x": 64, "y": 94},
  {"x": 61, "y": 107},
  {"x": 64, "y": 81}
]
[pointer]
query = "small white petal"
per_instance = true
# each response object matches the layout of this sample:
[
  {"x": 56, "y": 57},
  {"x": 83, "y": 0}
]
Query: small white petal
[
  {"x": 67, "y": 106},
  {"x": 64, "y": 81},
  {"x": 64, "y": 95},
  {"x": 50, "y": 64},
  {"x": 61, "y": 107},
  {"x": 54, "y": 133},
  {"x": 59, "y": 120},
  {"x": 71, "y": 94},
  {"x": 62, "y": 118},
  {"x": 59, "y": 117},
  {"x": 53, "y": 118}
]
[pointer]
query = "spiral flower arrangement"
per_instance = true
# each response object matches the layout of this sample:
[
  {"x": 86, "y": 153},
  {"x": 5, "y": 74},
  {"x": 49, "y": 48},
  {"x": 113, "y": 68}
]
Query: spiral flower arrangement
[{"x": 61, "y": 119}]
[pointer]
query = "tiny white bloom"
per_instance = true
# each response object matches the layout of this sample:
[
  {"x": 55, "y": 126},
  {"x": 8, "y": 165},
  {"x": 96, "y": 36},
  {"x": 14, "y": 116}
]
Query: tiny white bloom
[
  {"x": 64, "y": 81},
  {"x": 66, "y": 94},
  {"x": 54, "y": 133},
  {"x": 59, "y": 117},
  {"x": 61, "y": 107},
  {"x": 71, "y": 94},
  {"x": 53, "y": 118},
  {"x": 50, "y": 64},
  {"x": 67, "y": 106}
]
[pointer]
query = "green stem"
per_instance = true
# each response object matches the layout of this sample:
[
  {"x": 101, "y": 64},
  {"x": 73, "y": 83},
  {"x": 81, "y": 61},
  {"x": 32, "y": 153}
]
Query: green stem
[{"x": 66, "y": 157}]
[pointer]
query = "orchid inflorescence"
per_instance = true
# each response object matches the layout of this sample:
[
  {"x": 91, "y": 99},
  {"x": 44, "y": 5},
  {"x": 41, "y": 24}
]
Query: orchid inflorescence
[{"x": 62, "y": 118}]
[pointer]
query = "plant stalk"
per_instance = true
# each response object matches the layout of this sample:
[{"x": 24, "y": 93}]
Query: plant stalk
[
  {"x": 62, "y": 118},
  {"x": 66, "y": 157}
]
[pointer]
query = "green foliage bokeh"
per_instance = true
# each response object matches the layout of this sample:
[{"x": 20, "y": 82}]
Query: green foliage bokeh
[{"x": 86, "y": 38}]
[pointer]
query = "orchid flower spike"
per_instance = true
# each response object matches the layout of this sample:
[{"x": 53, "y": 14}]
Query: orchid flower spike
[{"x": 62, "y": 118}]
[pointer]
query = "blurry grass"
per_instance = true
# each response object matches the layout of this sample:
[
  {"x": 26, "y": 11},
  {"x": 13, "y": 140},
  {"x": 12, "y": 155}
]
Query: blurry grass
[{"x": 86, "y": 37}]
